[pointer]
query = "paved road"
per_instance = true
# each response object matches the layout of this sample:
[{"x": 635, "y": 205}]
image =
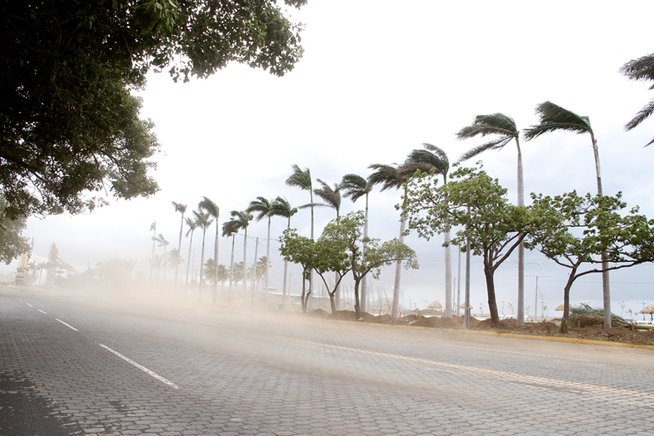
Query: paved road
[{"x": 76, "y": 367}]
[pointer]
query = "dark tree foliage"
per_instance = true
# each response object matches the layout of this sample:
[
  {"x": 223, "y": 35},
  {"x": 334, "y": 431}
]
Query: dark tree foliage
[
  {"x": 12, "y": 244},
  {"x": 68, "y": 123}
]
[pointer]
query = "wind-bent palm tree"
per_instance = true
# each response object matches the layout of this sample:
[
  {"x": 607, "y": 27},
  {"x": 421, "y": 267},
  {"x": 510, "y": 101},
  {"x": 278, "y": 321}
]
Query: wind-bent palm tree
[
  {"x": 332, "y": 198},
  {"x": 181, "y": 208},
  {"x": 641, "y": 69},
  {"x": 504, "y": 130},
  {"x": 355, "y": 187},
  {"x": 230, "y": 228},
  {"x": 203, "y": 220},
  {"x": 302, "y": 179},
  {"x": 241, "y": 220},
  {"x": 281, "y": 207},
  {"x": 163, "y": 242},
  {"x": 264, "y": 208},
  {"x": 388, "y": 177},
  {"x": 192, "y": 225},
  {"x": 552, "y": 118},
  {"x": 214, "y": 211},
  {"x": 432, "y": 158}
]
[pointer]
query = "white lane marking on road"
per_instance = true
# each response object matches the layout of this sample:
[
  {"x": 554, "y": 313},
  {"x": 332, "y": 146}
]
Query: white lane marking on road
[
  {"x": 67, "y": 325},
  {"x": 141, "y": 367},
  {"x": 42, "y": 311},
  {"x": 29, "y": 305},
  {"x": 626, "y": 394}
]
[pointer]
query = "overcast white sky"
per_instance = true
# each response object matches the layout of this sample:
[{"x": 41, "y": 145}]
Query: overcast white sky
[{"x": 379, "y": 78}]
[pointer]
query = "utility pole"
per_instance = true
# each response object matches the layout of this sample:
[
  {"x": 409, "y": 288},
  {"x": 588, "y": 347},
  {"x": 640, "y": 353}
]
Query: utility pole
[{"x": 536, "y": 302}]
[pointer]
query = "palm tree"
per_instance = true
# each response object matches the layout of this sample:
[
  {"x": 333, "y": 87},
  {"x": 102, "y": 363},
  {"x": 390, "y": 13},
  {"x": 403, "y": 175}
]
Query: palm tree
[
  {"x": 388, "y": 177},
  {"x": 163, "y": 242},
  {"x": 241, "y": 220},
  {"x": 281, "y": 207},
  {"x": 264, "y": 208},
  {"x": 332, "y": 198},
  {"x": 302, "y": 179},
  {"x": 203, "y": 220},
  {"x": 214, "y": 211},
  {"x": 192, "y": 225},
  {"x": 552, "y": 118},
  {"x": 504, "y": 130},
  {"x": 181, "y": 208},
  {"x": 432, "y": 158},
  {"x": 641, "y": 69},
  {"x": 355, "y": 187},
  {"x": 230, "y": 228}
]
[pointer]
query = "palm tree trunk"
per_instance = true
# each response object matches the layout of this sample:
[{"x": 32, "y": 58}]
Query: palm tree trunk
[
  {"x": 231, "y": 264},
  {"x": 204, "y": 232},
  {"x": 216, "y": 252},
  {"x": 245, "y": 264},
  {"x": 285, "y": 285},
  {"x": 395, "y": 311},
  {"x": 521, "y": 247},
  {"x": 364, "y": 280},
  {"x": 188, "y": 260},
  {"x": 179, "y": 248},
  {"x": 267, "y": 254},
  {"x": 448, "y": 275},
  {"x": 606, "y": 287}
]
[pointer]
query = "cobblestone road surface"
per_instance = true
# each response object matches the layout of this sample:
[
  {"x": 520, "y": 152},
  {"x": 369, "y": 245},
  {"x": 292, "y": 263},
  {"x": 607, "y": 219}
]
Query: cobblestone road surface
[{"x": 69, "y": 367}]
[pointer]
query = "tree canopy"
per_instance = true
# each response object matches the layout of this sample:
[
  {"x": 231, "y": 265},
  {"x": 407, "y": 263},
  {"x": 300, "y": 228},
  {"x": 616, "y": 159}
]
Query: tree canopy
[{"x": 69, "y": 126}]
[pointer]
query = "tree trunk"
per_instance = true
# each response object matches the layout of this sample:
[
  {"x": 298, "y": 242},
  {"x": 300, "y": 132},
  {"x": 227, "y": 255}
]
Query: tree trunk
[
  {"x": 245, "y": 263},
  {"x": 231, "y": 264},
  {"x": 188, "y": 261},
  {"x": 521, "y": 247},
  {"x": 395, "y": 311},
  {"x": 364, "y": 280},
  {"x": 303, "y": 297},
  {"x": 179, "y": 249},
  {"x": 357, "y": 305},
  {"x": 216, "y": 252},
  {"x": 448, "y": 275},
  {"x": 267, "y": 255},
  {"x": 606, "y": 287},
  {"x": 566, "y": 302},
  {"x": 332, "y": 301},
  {"x": 490, "y": 288},
  {"x": 201, "y": 262}
]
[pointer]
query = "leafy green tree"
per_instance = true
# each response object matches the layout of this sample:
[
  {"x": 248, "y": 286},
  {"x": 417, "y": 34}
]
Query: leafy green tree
[
  {"x": 476, "y": 204},
  {"x": 346, "y": 235},
  {"x": 434, "y": 159},
  {"x": 12, "y": 243},
  {"x": 503, "y": 130},
  {"x": 281, "y": 207},
  {"x": 302, "y": 251},
  {"x": 70, "y": 125},
  {"x": 181, "y": 208},
  {"x": 264, "y": 208},
  {"x": 355, "y": 187},
  {"x": 553, "y": 118},
  {"x": 389, "y": 176},
  {"x": 641, "y": 69},
  {"x": 192, "y": 224},
  {"x": 214, "y": 211},
  {"x": 581, "y": 233}
]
